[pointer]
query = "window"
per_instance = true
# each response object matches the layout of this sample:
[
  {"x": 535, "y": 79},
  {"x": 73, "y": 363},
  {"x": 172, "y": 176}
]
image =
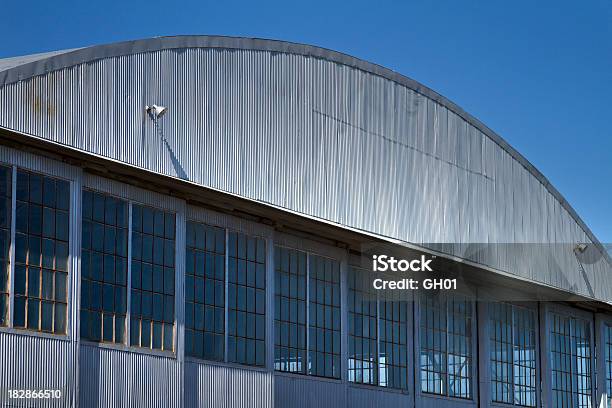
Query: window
[
  {"x": 246, "y": 300},
  {"x": 362, "y": 327},
  {"x": 152, "y": 270},
  {"x": 5, "y": 240},
  {"x": 608, "y": 362},
  {"x": 393, "y": 353},
  {"x": 446, "y": 346},
  {"x": 570, "y": 344},
  {"x": 41, "y": 252},
  {"x": 324, "y": 317},
  {"x": 104, "y": 268},
  {"x": 378, "y": 337},
  {"x": 205, "y": 291},
  {"x": 290, "y": 310},
  {"x": 513, "y": 354},
  {"x": 293, "y": 281}
]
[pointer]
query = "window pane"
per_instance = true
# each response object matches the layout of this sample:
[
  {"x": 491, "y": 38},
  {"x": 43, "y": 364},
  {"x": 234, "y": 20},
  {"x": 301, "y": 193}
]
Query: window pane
[
  {"x": 43, "y": 224},
  {"x": 152, "y": 291},
  {"x": 106, "y": 277}
]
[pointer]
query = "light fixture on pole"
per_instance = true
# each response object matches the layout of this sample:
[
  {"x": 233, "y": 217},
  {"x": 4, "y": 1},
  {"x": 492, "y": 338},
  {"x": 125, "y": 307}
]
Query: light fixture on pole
[
  {"x": 156, "y": 111},
  {"x": 580, "y": 248}
]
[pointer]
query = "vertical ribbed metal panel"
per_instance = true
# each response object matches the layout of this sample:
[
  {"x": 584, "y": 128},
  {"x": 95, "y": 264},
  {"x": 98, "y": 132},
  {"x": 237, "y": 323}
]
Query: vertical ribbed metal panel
[
  {"x": 362, "y": 397},
  {"x": 312, "y": 392},
  {"x": 215, "y": 386},
  {"x": 116, "y": 378},
  {"x": 35, "y": 363},
  {"x": 316, "y": 137}
]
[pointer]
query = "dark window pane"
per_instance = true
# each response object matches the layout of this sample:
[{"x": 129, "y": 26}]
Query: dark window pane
[
  {"x": 33, "y": 314},
  {"x": 33, "y": 282},
  {"x": 47, "y": 284},
  {"x": 135, "y": 332},
  {"x": 157, "y": 335},
  {"x": 20, "y": 279},
  {"x": 62, "y": 225},
  {"x": 168, "y": 337},
  {"x": 108, "y": 325},
  {"x": 48, "y": 222},
  {"x": 34, "y": 251},
  {"x": 46, "y": 320},
  {"x": 35, "y": 188},
  {"x": 48, "y": 252},
  {"x": 20, "y": 311},
  {"x": 145, "y": 333},
  {"x": 119, "y": 329},
  {"x": 21, "y": 217},
  {"x": 60, "y": 318},
  {"x": 60, "y": 286}
]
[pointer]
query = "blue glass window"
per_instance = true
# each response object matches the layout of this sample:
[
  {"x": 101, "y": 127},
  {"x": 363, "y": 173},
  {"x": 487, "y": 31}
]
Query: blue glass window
[
  {"x": 41, "y": 252},
  {"x": 246, "y": 299},
  {"x": 205, "y": 291},
  {"x": 104, "y": 267},
  {"x": 152, "y": 270}
]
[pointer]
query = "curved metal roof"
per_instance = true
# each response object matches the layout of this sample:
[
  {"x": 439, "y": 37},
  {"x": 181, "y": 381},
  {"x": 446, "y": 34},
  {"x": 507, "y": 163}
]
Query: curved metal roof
[{"x": 21, "y": 68}]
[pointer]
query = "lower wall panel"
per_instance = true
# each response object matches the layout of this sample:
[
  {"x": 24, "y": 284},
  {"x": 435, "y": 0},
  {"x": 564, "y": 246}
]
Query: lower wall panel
[
  {"x": 35, "y": 363},
  {"x": 297, "y": 392},
  {"x": 208, "y": 385},
  {"x": 365, "y": 397},
  {"x": 125, "y": 379}
]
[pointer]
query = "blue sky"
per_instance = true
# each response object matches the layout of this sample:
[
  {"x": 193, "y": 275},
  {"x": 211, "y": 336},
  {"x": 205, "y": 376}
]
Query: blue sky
[{"x": 537, "y": 73}]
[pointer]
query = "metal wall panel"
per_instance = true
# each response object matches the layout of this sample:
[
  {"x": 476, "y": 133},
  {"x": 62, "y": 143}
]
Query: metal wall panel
[
  {"x": 35, "y": 363},
  {"x": 367, "y": 397},
  {"x": 218, "y": 386},
  {"x": 110, "y": 377},
  {"x": 312, "y": 392},
  {"x": 317, "y": 137}
]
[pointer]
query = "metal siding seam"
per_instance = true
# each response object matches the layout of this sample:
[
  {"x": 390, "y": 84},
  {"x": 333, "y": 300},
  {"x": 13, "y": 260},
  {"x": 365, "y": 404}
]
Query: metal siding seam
[
  {"x": 75, "y": 288},
  {"x": 12, "y": 248}
]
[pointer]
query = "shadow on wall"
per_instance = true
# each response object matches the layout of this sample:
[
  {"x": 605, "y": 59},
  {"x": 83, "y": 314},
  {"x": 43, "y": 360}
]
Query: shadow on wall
[{"x": 178, "y": 168}]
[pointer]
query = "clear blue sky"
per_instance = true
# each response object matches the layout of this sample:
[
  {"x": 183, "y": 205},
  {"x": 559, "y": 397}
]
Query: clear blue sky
[{"x": 537, "y": 73}]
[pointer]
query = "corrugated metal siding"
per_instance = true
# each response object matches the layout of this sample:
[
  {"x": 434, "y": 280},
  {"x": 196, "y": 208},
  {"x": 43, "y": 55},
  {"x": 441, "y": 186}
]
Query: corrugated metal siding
[
  {"x": 311, "y": 391},
  {"x": 316, "y": 137},
  {"x": 115, "y": 378},
  {"x": 213, "y": 386},
  {"x": 362, "y": 397},
  {"x": 35, "y": 363}
]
